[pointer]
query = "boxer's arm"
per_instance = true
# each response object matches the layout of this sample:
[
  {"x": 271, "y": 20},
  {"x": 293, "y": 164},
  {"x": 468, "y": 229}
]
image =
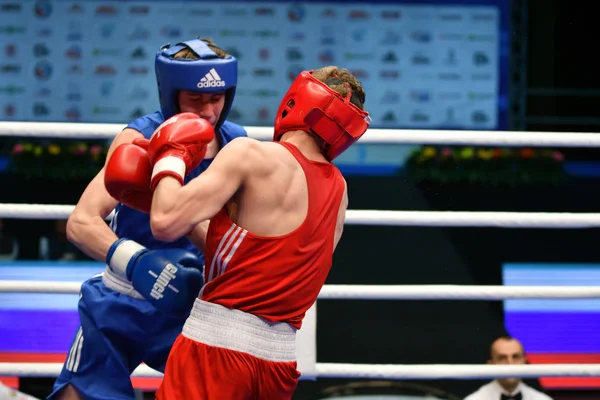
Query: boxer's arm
[
  {"x": 86, "y": 227},
  {"x": 341, "y": 217},
  {"x": 177, "y": 209}
]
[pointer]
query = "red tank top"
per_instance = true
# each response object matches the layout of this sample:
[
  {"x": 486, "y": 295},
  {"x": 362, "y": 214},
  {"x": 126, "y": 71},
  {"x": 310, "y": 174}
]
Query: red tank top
[{"x": 276, "y": 278}]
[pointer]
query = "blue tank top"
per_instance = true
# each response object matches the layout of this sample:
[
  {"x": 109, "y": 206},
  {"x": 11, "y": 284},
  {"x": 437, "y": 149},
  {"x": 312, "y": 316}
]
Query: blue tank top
[{"x": 135, "y": 225}]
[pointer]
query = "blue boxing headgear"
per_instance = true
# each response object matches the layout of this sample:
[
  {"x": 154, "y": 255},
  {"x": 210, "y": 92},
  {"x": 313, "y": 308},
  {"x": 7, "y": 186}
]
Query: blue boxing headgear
[{"x": 209, "y": 73}]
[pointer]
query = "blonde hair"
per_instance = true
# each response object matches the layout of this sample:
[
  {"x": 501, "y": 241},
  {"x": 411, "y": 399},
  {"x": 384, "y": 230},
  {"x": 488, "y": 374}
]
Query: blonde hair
[
  {"x": 189, "y": 54},
  {"x": 349, "y": 83}
]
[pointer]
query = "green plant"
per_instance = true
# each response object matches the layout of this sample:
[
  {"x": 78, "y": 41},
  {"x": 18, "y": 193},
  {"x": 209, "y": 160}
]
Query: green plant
[
  {"x": 486, "y": 166},
  {"x": 59, "y": 160}
]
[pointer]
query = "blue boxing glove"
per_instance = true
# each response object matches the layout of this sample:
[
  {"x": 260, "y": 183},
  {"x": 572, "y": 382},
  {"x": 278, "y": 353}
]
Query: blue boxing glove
[{"x": 170, "y": 279}]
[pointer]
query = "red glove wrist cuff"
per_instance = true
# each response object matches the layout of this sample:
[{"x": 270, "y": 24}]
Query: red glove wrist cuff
[{"x": 168, "y": 166}]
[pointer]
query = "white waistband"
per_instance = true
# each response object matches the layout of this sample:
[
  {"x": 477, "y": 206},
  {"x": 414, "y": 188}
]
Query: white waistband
[
  {"x": 219, "y": 326},
  {"x": 118, "y": 284}
]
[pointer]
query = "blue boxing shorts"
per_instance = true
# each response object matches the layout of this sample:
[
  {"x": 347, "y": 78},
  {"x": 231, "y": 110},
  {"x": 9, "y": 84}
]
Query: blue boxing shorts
[{"x": 119, "y": 330}]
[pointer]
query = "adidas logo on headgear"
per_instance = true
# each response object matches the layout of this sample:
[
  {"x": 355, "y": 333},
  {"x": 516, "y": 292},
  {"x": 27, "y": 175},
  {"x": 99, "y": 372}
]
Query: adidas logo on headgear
[{"x": 211, "y": 79}]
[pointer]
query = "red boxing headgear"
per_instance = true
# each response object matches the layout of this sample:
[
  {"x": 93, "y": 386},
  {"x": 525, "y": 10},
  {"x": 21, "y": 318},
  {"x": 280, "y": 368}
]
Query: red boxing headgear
[{"x": 311, "y": 105}]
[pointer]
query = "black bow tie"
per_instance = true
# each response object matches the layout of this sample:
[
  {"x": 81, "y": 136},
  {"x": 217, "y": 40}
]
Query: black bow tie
[{"x": 517, "y": 396}]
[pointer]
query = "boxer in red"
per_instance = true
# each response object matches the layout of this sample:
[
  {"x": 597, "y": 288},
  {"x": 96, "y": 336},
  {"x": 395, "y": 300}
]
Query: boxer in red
[{"x": 276, "y": 213}]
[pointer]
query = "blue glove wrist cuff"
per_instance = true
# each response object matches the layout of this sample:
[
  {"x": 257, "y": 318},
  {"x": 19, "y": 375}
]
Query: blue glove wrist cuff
[
  {"x": 112, "y": 248},
  {"x": 121, "y": 254}
]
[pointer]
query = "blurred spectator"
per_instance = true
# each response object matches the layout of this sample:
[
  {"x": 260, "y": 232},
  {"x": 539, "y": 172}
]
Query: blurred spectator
[
  {"x": 507, "y": 350},
  {"x": 9, "y": 247},
  {"x": 56, "y": 247}
]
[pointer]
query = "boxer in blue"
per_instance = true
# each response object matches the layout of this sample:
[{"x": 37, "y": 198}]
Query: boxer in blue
[{"x": 122, "y": 327}]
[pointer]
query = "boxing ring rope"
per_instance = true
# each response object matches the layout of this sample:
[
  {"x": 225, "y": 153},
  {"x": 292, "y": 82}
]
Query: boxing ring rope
[
  {"x": 369, "y": 371},
  {"x": 363, "y": 217},
  {"x": 75, "y": 130},
  {"x": 374, "y": 292},
  {"x": 379, "y": 217},
  {"x": 372, "y": 371}
]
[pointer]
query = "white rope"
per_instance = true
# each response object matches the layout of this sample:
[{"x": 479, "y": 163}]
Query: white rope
[
  {"x": 369, "y": 371},
  {"x": 40, "y": 287},
  {"x": 496, "y": 138},
  {"x": 379, "y": 217},
  {"x": 35, "y": 211},
  {"x": 453, "y": 371},
  {"x": 473, "y": 219},
  {"x": 481, "y": 138},
  {"x": 375, "y": 292},
  {"x": 78, "y": 130},
  {"x": 53, "y": 370},
  {"x": 69, "y": 130},
  {"x": 456, "y": 292}
]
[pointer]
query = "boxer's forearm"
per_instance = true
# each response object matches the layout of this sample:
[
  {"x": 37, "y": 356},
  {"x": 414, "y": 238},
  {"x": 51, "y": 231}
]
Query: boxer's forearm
[
  {"x": 166, "y": 219},
  {"x": 164, "y": 204},
  {"x": 86, "y": 227},
  {"x": 91, "y": 235},
  {"x": 176, "y": 209}
]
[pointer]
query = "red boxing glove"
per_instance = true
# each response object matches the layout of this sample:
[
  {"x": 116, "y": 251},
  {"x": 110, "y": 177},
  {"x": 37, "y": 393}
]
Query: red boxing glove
[
  {"x": 127, "y": 175},
  {"x": 178, "y": 146}
]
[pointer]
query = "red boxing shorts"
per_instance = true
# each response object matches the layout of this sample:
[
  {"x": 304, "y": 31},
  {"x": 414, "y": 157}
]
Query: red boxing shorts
[{"x": 229, "y": 354}]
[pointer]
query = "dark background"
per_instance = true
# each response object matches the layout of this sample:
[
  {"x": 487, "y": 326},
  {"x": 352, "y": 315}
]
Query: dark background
[{"x": 555, "y": 87}]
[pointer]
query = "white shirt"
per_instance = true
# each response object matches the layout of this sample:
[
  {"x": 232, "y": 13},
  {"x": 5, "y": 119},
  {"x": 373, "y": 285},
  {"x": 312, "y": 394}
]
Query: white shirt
[
  {"x": 7, "y": 393},
  {"x": 493, "y": 391}
]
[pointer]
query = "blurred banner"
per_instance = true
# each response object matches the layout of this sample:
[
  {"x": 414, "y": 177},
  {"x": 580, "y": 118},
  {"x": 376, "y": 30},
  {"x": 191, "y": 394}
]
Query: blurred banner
[
  {"x": 429, "y": 65},
  {"x": 556, "y": 331}
]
